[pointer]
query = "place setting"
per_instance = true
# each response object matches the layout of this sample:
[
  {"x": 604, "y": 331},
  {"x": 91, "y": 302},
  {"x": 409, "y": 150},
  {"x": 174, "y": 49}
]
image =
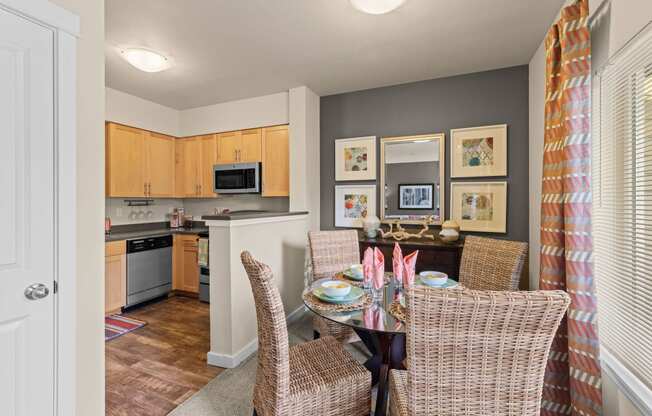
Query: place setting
[{"x": 335, "y": 295}]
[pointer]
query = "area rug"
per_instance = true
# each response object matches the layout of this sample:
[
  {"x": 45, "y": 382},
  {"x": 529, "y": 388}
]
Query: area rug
[
  {"x": 117, "y": 325},
  {"x": 230, "y": 393}
]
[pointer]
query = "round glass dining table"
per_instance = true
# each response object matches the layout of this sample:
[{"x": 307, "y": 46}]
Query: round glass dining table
[{"x": 381, "y": 333}]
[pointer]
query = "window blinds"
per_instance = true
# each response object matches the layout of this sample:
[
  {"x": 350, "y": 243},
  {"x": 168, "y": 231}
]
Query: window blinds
[{"x": 622, "y": 205}]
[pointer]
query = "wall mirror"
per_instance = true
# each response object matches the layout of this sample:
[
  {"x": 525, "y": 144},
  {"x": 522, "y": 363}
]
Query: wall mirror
[{"x": 412, "y": 178}]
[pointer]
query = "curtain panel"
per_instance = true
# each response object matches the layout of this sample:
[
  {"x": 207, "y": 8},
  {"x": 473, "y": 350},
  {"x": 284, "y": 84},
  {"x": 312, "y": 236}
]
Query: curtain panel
[{"x": 573, "y": 380}]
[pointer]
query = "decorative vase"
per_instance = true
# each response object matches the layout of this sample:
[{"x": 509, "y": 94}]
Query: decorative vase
[
  {"x": 450, "y": 231},
  {"x": 370, "y": 225}
]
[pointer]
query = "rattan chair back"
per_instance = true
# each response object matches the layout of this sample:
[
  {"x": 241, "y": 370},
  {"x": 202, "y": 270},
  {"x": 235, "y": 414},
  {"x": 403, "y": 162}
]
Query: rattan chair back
[
  {"x": 492, "y": 264},
  {"x": 333, "y": 251},
  {"x": 273, "y": 373},
  {"x": 479, "y": 352}
]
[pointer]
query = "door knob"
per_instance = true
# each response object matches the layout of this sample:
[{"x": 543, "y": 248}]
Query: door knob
[{"x": 36, "y": 291}]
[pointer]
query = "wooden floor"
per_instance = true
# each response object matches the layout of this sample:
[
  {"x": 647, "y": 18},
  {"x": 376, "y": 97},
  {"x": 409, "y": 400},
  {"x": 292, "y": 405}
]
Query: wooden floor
[{"x": 154, "y": 369}]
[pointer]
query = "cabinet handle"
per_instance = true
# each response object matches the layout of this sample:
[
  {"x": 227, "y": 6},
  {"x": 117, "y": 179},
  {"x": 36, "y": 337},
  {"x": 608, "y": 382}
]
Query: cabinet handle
[{"x": 145, "y": 188}]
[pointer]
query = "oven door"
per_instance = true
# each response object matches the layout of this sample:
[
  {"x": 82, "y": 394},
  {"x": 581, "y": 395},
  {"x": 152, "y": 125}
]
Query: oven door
[{"x": 237, "y": 178}]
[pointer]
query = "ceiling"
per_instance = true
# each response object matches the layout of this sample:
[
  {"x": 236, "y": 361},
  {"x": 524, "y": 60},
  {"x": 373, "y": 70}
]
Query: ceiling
[{"x": 224, "y": 50}]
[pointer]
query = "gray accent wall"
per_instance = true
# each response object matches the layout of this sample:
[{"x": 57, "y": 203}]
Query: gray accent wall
[{"x": 435, "y": 106}]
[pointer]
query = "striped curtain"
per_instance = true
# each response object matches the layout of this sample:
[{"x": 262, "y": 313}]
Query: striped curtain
[{"x": 573, "y": 381}]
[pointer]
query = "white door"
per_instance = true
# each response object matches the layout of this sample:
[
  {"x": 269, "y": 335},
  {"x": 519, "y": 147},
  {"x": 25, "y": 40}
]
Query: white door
[{"x": 26, "y": 218}]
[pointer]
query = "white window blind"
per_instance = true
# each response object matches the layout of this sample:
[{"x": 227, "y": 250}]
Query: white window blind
[{"x": 622, "y": 205}]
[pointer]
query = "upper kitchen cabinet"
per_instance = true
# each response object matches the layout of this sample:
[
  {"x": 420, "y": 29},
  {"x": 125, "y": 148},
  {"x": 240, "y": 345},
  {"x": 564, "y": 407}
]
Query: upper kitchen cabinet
[
  {"x": 208, "y": 160},
  {"x": 276, "y": 161},
  {"x": 159, "y": 173},
  {"x": 239, "y": 146},
  {"x": 139, "y": 163},
  {"x": 195, "y": 157},
  {"x": 187, "y": 167}
]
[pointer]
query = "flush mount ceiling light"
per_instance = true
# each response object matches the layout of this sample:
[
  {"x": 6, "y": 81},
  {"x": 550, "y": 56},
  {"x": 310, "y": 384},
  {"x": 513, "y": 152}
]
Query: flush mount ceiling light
[
  {"x": 377, "y": 6},
  {"x": 145, "y": 59}
]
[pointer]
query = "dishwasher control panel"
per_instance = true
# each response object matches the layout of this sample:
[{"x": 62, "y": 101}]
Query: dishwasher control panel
[{"x": 150, "y": 243}]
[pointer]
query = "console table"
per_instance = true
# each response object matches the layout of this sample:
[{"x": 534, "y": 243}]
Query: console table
[{"x": 433, "y": 255}]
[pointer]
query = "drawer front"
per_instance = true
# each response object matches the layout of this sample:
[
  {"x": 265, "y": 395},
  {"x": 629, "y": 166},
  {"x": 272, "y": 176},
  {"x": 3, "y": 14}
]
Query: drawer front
[{"x": 115, "y": 248}]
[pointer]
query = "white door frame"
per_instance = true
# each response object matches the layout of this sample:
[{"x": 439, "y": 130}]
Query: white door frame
[{"x": 65, "y": 26}]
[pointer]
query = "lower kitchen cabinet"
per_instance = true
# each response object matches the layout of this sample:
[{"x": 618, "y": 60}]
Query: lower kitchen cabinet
[
  {"x": 185, "y": 276},
  {"x": 115, "y": 276}
]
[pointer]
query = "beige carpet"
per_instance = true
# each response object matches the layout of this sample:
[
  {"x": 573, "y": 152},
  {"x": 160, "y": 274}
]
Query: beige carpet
[{"x": 229, "y": 394}]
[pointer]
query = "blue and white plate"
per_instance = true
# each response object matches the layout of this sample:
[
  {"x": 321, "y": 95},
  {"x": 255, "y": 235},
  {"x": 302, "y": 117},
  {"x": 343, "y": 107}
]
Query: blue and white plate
[
  {"x": 350, "y": 275},
  {"x": 450, "y": 284},
  {"x": 355, "y": 294}
]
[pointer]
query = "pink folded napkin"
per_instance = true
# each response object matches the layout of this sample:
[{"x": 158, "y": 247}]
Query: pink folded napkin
[
  {"x": 410, "y": 263},
  {"x": 397, "y": 263},
  {"x": 379, "y": 319},
  {"x": 379, "y": 269},
  {"x": 373, "y": 318},
  {"x": 368, "y": 265}
]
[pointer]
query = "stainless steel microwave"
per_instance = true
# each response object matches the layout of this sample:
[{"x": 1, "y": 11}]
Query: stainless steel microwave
[{"x": 237, "y": 178}]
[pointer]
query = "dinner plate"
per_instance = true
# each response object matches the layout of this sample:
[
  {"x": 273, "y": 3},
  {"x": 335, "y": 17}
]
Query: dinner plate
[
  {"x": 349, "y": 274},
  {"x": 355, "y": 294},
  {"x": 450, "y": 284}
]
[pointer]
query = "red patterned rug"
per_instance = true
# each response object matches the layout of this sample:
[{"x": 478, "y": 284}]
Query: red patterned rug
[{"x": 117, "y": 325}]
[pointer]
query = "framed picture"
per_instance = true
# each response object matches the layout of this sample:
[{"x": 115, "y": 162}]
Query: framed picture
[
  {"x": 479, "y": 152},
  {"x": 416, "y": 196},
  {"x": 352, "y": 202},
  {"x": 480, "y": 206},
  {"x": 355, "y": 159}
]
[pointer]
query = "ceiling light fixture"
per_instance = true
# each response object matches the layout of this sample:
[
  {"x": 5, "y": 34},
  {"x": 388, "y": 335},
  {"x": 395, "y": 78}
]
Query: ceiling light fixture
[
  {"x": 377, "y": 6},
  {"x": 145, "y": 59}
]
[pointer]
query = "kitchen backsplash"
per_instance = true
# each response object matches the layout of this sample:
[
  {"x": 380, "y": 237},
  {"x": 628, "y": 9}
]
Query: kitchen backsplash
[{"x": 121, "y": 214}]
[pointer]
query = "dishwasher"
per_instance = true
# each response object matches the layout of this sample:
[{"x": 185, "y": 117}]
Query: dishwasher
[{"x": 149, "y": 268}]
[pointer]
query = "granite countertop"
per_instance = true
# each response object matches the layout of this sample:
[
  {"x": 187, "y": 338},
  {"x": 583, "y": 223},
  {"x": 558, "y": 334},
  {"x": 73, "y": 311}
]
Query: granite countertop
[
  {"x": 150, "y": 230},
  {"x": 246, "y": 215}
]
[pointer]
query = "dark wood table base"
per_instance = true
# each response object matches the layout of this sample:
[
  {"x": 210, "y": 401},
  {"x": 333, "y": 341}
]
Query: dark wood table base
[{"x": 388, "y": 353}]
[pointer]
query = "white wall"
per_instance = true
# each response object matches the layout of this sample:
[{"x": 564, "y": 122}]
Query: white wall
[
  {"x": 624, "y": 19},
  {"x": 268, "y": 110},
  {"x": 90, "y": 206},
  {"x": 304, "y": 153},
  {"x": 134, "y": 111}
]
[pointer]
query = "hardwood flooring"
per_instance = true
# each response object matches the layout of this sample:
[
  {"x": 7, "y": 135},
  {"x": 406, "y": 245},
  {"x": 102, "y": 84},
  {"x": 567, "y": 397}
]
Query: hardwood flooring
[{"x": 154, "y": 369}]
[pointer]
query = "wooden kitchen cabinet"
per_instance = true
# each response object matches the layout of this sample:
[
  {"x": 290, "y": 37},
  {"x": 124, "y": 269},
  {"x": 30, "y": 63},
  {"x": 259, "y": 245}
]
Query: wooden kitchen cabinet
[
  {"x": 187, "y": 167},
  {"x": 185, "y": 276},
  {"x": 250, "y": 150},
  {"x": 160, "y": 158},
  {"x": 276, "y": 161},
  {"x": 240, "y": 146},
  {"x": 195, "y": 157},
  {"x": 115, "y": 276},
  {"x": 125, "y": 157},
  {"x": 228, "y": 146},
  {"x": 208, "y": 160},
  {"x": 139, "y": 163}
]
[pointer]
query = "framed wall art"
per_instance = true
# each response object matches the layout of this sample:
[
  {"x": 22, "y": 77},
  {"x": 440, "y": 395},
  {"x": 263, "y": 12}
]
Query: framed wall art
[
  {"x": 416, "y": 196},
  {"x": 355, "y": 159},
  {"x": 352, "y": 203},
  {"x": 480, "y": 206},
  {"x": 479, "y": 152}
]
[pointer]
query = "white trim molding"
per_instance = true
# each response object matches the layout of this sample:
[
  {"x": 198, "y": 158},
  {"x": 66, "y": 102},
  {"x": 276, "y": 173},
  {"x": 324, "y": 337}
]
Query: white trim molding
[
  {"x": 232, "y": 361},
  {"x": 45, "y": 13},
  {"x": 252, "y": 221},
  {"x": 637, "y": 392}
]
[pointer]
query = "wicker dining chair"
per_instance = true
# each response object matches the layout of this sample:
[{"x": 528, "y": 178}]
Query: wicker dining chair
[
  {"x": 330, "y": 253},
  {"x": 315, "y": 378},
  {"x": 492, "y": 264},
  {"x": 475, "y": 352}
]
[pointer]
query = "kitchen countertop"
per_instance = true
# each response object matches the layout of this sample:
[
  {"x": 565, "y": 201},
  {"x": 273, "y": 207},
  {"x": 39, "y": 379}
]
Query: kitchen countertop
[
  {"x": 130, "y": 235},
  {"x": 234, "y": 216}
]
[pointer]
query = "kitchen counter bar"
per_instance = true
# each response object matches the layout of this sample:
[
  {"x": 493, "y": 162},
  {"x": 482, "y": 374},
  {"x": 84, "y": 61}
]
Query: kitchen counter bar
[
  {"x": 250, "y": 215},
  {"x": 153, "y": 232}
]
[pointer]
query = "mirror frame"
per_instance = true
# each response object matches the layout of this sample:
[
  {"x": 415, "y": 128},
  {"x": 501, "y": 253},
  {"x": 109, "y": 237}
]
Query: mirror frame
[{"x": 442, "y": 173}]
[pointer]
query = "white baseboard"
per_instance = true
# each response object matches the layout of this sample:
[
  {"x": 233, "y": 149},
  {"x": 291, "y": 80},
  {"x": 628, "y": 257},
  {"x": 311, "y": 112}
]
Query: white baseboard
[
  {"x": 232, "y": 361},
  {"x": 295, "y": 315}
]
